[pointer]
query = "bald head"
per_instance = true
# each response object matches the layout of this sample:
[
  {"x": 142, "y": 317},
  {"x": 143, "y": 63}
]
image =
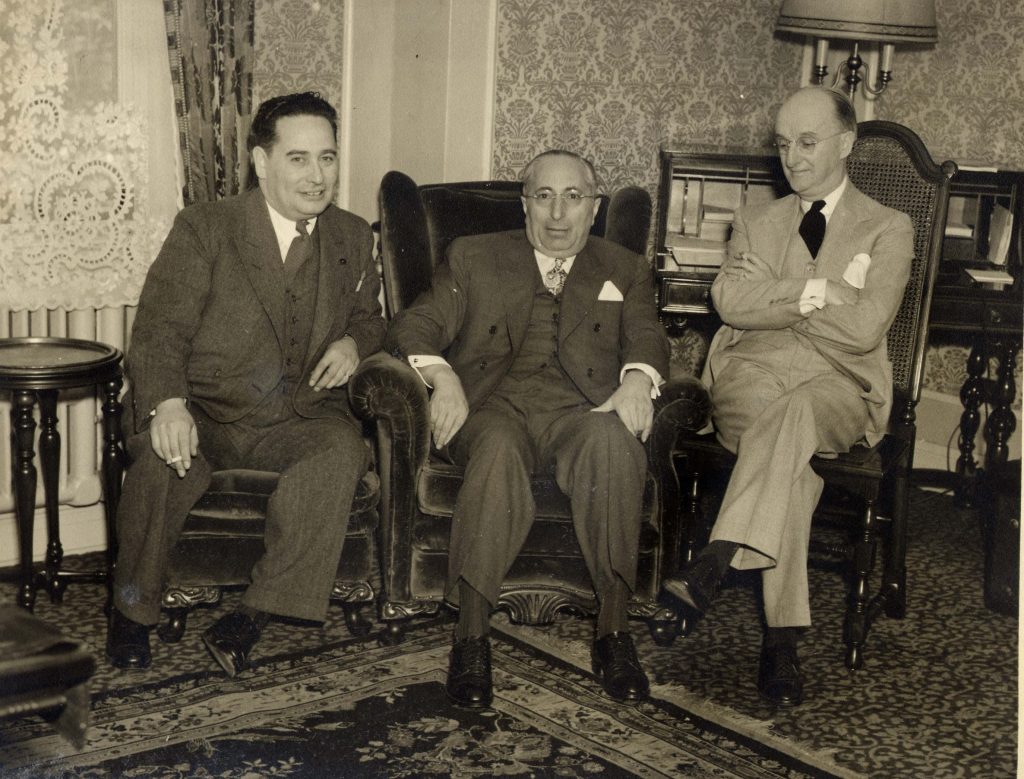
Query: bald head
[{"x": 814, "y": 133}]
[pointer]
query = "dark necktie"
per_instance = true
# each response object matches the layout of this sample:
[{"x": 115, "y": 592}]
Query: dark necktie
[
  {"x": 299, "y": 250},
  {"x": 554, "y": 279},
  {"x": 812, "y": 227}
]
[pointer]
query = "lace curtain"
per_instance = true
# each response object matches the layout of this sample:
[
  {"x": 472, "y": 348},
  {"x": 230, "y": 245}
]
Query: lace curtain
[
  {"x": 75, "y": 231},
  {"x": 210, "y": 44}
]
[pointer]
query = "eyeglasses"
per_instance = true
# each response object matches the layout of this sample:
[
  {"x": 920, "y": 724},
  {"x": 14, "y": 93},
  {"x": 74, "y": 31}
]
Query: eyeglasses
[
  {"x": 569, "y": 198},
  {"x": 805, "y": 145}
]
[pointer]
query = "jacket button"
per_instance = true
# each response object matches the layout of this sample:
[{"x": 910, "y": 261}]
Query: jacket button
[
  {"x": 597, "y": 327},
  {"x": 492, "y": 329},
  {"x": 343, "y": 261},
  {"x": 590, "y": 373},
  {"x": 483, "y": 364}
]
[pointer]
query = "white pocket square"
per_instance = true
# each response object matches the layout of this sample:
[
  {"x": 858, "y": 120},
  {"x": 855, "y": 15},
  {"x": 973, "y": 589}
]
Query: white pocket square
[
  {"x": 609, "y": 292},
  {"x": 856, "y": 272}
]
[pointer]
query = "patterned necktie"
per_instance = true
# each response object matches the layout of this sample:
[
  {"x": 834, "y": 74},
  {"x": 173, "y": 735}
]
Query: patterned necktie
[
  {"x": 554, "y": 279},
  {"x": 299, "y": 250},
  {"x": 812, "y": 227}
]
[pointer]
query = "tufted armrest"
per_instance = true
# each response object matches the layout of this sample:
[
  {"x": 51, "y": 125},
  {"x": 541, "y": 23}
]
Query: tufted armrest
[{"x": 389, "y": 392}]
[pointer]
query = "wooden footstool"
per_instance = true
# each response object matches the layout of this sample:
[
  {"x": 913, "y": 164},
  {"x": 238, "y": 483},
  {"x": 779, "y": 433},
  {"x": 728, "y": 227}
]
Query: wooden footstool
[{"x": 42, "y": 672}]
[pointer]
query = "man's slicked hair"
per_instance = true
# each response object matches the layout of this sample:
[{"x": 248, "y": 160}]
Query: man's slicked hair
[
  {"x": 592, "y": 179},
  {"x": 263, "y": 131}
]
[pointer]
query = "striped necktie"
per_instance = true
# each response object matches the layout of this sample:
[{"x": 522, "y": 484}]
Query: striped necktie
[{"x": 298, "y": 252}]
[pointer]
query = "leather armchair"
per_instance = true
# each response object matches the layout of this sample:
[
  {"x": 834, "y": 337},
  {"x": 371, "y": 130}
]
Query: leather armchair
[
  {"x": 418, "y": 490},
  {"x": 223, "y": 538}
]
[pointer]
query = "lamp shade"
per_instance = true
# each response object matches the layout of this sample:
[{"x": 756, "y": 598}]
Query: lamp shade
[{"x": 908, "y": 21}]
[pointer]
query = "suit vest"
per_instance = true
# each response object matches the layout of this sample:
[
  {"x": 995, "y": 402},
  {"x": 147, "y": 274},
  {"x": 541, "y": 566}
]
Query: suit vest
[{"x": 536, "y": 378}]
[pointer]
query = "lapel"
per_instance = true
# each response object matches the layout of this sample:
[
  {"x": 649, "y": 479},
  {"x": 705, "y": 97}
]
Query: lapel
[
  {"x": 782, "y": 220},
  {"x": 517, "y": 277},
  {"x": 258, "y": 252},
  {"x": 582, "y": 287},
  {"x": 842, "y": 231},
  {"x": 329, "y": 280}
]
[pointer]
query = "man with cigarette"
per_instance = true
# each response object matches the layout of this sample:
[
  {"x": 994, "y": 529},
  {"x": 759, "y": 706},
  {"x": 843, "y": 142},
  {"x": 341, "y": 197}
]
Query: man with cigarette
[
  {"x": 799, "y": 366},
  {"x": 251, "y": 321}
]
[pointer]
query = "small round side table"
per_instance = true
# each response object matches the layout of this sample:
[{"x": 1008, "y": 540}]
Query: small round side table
[{"x": 36, "y": 369}]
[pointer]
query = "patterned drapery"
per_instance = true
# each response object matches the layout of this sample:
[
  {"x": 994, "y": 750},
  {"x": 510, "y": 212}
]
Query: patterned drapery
[{"x": 210, "y": 45}]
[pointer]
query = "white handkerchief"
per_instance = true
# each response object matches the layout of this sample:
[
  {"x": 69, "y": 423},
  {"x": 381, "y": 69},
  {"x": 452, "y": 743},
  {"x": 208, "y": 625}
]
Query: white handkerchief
[
  {"x": 857, "y": 271},
  {"x": 609, "y": 292}
]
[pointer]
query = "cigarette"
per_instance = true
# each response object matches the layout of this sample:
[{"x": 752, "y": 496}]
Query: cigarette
[{"x": 174, "y": 460}]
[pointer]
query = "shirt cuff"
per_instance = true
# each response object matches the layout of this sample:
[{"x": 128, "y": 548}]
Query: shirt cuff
[
  {"x": 418, "y": 361},
  {"x": 655, "y": 377},
  {"x": 813, "y": 296}
]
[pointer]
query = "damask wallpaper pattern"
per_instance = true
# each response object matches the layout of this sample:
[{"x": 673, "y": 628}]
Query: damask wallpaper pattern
[
  {"x": 299, "y": 47},
  {"x": 614, "y": 79}
]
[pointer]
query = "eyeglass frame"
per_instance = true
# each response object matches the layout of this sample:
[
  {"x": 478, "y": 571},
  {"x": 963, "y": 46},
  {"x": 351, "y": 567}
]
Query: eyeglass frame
[
  {"x": 570, "y": 199},
  {"x": 802, "y": 141}
]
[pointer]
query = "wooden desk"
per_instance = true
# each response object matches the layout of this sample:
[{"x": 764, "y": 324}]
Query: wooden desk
[{"x": 36, "y": 369}]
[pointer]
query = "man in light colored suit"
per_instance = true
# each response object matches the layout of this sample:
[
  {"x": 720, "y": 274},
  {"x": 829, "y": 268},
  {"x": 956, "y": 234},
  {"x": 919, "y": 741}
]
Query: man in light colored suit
[
  {"x": 552, "y": 355},
  {"x": 253, "y": 317},
  {"x": 799, "y": 366}
]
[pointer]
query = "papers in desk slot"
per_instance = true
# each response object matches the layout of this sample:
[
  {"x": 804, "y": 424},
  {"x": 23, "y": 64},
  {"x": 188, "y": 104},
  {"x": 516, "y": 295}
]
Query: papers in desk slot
[
  {"x": 999, "y": 232},
  {"x": 990, "y": 276},
  {"x": 697, "y": 251}
]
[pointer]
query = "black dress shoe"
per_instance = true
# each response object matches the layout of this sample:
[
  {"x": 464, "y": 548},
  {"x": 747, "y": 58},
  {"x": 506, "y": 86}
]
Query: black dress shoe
[
  {"x": 127, "y": 642},
  {"x": 230, "y": 640},
  {"x": 615, "y": 662},
  {"x": 697, "y": 585},
  {"x": 778, "y": 675},
  {"x": 469, "y": 672}
]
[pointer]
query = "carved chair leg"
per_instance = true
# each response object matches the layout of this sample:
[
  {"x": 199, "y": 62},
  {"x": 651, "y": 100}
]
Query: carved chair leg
[
  {"x": 171, "y": 631},
  {"x": 393, "y": 632},
  {"x": 894, "y": 575},
  {"x": 663, "y": 631},
  {"x": 356, "y": 623},
  {"x": 857, "y": 620}
]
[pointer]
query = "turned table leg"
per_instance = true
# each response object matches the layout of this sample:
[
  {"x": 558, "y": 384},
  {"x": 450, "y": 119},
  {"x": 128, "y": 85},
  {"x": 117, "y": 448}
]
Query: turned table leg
[
  {"x": 113, "y": 468},
  {"x": 971, "y": 395},
  {"x": 49, "y": 457},
  {"x": 1001, "y": 423},
  {"x": 23, "y": 427}
]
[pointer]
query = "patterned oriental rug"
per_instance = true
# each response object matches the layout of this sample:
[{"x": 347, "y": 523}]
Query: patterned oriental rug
[{"x": 356, "y": 708}]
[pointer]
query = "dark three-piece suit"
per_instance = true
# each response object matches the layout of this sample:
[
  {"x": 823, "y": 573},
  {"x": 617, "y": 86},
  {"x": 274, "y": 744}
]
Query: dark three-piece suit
[
  {"x": 532, "y": 366},
  {"x": 225, "y": 324}
]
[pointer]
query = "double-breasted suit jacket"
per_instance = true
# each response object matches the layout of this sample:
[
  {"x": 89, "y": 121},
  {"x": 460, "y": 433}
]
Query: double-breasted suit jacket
[
  {"x": 478, "y": 310},
  {"x": 785, "y": 385}
]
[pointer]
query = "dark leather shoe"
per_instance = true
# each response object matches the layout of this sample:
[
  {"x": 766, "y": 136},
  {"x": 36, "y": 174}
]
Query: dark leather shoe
[
  {"x": 615, "y": 662},
  {"x": 230, "y": 640},
  {"x": 778, "y": 675},
  {"x": 469, "y": 672},
  {"x": 697, "y": 586},
  {"x": 127, "y": 642}
]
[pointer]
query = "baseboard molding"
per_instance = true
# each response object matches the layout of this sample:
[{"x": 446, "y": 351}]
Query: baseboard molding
[{"x": 82, "y": 529}]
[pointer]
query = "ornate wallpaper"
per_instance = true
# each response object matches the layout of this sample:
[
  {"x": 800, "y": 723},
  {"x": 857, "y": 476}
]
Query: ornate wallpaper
[
  {"x": 965, "y": 95},
  {"x": 74, "y": 230},
  {"x": 299, "y": 47},
  {"x": 614, "y": 79}
]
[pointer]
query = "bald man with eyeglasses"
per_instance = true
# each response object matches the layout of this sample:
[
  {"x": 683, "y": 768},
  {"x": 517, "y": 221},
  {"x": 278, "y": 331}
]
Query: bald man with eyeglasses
[
  {"x": 553, "y": 355},
  {"x": 798, "y": 368}
]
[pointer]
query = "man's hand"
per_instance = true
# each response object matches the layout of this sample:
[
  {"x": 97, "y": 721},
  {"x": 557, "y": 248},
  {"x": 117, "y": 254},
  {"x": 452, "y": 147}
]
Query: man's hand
[
  {"x": 448, "y": 406},
  {"x": 747, "y": 266},
  {"x": 632, "y": 402},
  {"x": 336, "y": 366},
  {"x": 839, "y": 293},
  {"x": 172, "y": 432}
]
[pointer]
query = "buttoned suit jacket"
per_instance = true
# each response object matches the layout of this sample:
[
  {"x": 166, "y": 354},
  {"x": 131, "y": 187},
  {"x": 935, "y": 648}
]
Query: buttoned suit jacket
[
  {"x": 852, "y": 338},
  {"x": 209, "y": 320},
  {"x": 477, "y": 311}
]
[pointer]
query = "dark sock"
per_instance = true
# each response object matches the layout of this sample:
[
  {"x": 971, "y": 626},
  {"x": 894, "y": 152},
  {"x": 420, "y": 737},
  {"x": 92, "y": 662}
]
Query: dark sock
[
  {"x": 611, "y": 615},
  {"x": 722, "y": 553},
  {"x": 474, "y": 612},
  {"x": 261, "y": 618},
  {"x": 782, "y": 636}
]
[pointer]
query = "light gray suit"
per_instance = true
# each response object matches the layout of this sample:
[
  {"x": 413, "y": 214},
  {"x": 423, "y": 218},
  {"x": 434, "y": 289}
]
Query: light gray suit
[{"x": 785, "y": 386}]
